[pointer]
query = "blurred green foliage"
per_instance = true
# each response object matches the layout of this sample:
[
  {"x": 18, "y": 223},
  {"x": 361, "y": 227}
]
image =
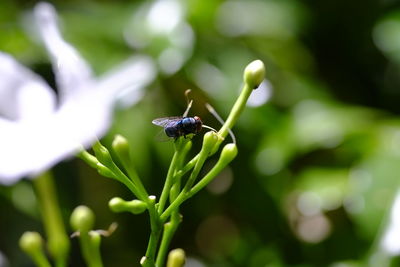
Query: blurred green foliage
[{"x": 318, "y": 163}]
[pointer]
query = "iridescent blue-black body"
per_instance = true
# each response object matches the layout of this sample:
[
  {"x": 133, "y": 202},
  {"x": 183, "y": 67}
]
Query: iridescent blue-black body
[{"x": 177, "y": 126}]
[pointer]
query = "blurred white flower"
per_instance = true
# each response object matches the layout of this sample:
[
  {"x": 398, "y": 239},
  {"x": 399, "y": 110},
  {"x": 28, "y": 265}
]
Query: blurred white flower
[
  {"x": 390, "y": 242},
  {"x": 39, "y": 128}
]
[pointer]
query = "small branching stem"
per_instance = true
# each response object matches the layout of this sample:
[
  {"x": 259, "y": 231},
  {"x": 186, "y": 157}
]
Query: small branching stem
[{"x": 58, "y": 241}]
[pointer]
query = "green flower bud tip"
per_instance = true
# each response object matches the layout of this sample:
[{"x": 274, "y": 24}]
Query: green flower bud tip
[
  {"x": 102, "y": 154},
  {"x": 120, "y": 145},
  {"x": 254, "y": 73},
  {"x": 31, "y": 242},
  {"x": 229, "y": 152},
  {"x": 135, "y": 206},
  {"x": 176, "y": 258},
  {"x": 82, "y": 219},
  {"x": 210, "y": 139},
  {"x": 187, "y": 146}
]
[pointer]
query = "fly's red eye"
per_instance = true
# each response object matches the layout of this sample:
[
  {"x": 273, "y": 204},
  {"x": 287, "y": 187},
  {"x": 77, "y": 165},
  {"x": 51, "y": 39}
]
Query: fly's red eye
[{"x": 199, "y": 123}]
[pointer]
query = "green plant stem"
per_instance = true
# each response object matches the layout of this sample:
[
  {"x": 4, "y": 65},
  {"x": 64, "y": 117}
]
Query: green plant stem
[
  {"x": 179, "y": 144},
  {"x": 188, "y": 166},
  {"x": 174, "y": 205},
  {"x": 155, "y": 225},
  {"x": 182, "y": 196},
  {"x": 169, "y": 231},
  {"x": 104, "y": 157},
  {"x": 207, "y": 178},
  {"x": 199, "y": 164},
  {"x": 137, "y": 182},
  {"x": 91, "y": 253},
  {"x": 58, "y": 241},
  {"x": 40, "y": 260},
  {"x": 121, "y": 177},
  {"x": 185, "y": 194},
  {"x": 235, "y": 113},
  {"x": 96, "y": 250},
  {"x": 126, "y": 160},
  {"x": 171, "y": 226}
]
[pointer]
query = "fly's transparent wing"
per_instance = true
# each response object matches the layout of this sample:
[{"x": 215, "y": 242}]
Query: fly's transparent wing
[
  {"x": 166, "y": 121},
  {"x": 161, "y": 136}
]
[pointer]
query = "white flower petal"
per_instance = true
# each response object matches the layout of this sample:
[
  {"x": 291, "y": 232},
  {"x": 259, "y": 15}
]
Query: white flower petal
[
  {"x": 23, "y": 94},
  {"x": 390, "y": 242},
  {"x": 30, "y": 147},
  {"x": 71, "y": 70},
  {"x": 125, "y": 81}
]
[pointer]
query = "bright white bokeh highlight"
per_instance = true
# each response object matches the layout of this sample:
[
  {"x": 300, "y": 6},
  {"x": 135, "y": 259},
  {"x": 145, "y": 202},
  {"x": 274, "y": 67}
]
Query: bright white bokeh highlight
[
  {"x": 159, "y": 28},
  {"x": 390, "y": 242},
  {"x": 261, "y": 95}
]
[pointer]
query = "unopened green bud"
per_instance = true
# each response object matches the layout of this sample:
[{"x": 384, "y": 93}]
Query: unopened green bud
[
  {"x": 135, "y": 206},
  {"x": 187, "y": 147},
  {"x": 31, "y": 242},
  {"x": 176, "y": 258},
  {"x": 121, "y": 146},
  {"x": 103, "y": 170},
  {"x": 210, "y": 139},
  {"x": 254, "y": 74},
  {"x": 102, "y": 154},
  {"x": 228, "y": 153},
  {"x": 88, "y": 158},
  {"x": 82, "y": 219}
]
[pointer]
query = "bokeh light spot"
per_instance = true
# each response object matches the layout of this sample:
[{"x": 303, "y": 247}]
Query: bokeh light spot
[
  {"x": 314, "y": 229},
  {"x": 261, "y": 95},
  {"x": 222, "y": 182},
  {"x": 217, "y": 236},
  {"x": 269, "y": 161},
  {"x": 309, "y": 203}
]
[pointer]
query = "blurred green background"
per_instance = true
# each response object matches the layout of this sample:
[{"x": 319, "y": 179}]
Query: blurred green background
[{"x": 319, "y": 146}]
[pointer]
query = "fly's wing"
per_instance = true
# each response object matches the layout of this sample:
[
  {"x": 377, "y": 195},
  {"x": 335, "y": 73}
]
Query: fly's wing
[
  {"x": 161, "y": 136},
  {"x": 163, "y": 122}
]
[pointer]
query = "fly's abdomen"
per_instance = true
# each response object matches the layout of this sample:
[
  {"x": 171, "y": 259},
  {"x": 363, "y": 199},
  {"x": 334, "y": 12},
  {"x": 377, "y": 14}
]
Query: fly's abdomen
[{"x": 172, "y": 131}]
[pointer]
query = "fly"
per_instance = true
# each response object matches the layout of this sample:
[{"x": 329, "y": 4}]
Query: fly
[
  {"x": 176, "y": 127},
  {"x": 179, "y": 126}
]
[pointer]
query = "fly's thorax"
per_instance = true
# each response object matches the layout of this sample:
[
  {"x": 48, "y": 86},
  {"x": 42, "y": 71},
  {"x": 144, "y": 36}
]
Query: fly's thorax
[{"x": 188, "y": 125}]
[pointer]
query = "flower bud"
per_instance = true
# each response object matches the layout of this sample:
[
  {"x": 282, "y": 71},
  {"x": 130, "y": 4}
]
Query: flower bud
[
  {"x": 82, "y": 219},
  {"x": 187, "y": 147},
  {"x": 103, "y": 170},
  {"x": 135, "y": 206},
  {"x": 121, "y": 146},
  {"x": 91, "y": 160},
  {"x": 176, "y": 258},
  {"x": 254, "y": 73},
  {"x": 228, "y": 153},
  {"x": 102, "y": 154},
  {"x": 31, "y": 242},
  {"x": 210, "y": 139}
]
